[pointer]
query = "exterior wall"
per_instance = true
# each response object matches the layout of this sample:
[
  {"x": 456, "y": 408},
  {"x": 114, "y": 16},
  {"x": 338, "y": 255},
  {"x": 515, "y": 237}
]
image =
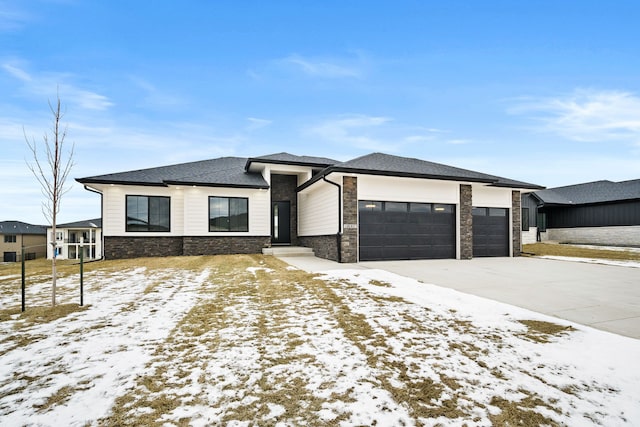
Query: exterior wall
[
  {"x": 323, "y": 246},
  {"x": 491, "y": 197},
  {"x": 529, "y": 237},
  {"x": 614, "y": 236},
  {"x": 516, "y": 224},
  {"x": 466, "y": 221},
  {"x": 200, "y": 245},
  {"x": 349, "y": 239},
  {"x": 189, "y": 210},
  {"x": 67, "y": 249},
  {"x": 117, "y": 247},
  {"x": 35, "y": 245},
  {"x": 318, "y": 210},
  {"x": 385, "y": 188}
]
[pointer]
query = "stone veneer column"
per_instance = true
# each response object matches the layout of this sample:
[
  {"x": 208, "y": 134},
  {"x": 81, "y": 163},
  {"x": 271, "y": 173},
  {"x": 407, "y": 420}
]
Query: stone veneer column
[
  {"x": 466, "y": 222},
  {"x": 349, "y": 241},
  {"x": 516, "y": 218}
]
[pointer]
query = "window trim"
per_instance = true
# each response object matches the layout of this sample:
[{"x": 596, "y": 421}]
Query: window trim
[
  {"x": 229, "y": 198},
  {"x": 126, "y": 213}
]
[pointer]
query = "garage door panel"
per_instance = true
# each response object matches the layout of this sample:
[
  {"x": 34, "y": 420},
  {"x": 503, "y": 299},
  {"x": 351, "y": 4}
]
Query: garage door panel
[
  {"x": 490, "y": 232},
  {"x": 417, "y": 233}
]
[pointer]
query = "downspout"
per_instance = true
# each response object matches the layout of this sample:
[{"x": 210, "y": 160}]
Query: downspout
[{"x": 339, "y": 233}]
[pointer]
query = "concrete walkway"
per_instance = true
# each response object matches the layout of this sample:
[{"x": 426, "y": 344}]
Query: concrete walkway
[{"x": 601, "y": 296}]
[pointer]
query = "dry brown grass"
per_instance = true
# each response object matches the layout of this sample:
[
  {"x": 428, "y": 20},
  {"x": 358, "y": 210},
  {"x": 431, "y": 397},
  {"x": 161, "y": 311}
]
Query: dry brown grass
[
  {"x": 554, "y": 249},
  {"x": 541, "y": 331}
]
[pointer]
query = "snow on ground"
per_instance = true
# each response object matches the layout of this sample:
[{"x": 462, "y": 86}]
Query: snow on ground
[
  {"x": 271, "y": 345},
  {"x": 619, "y": 263},
  {"x": 93, "y": 355}
]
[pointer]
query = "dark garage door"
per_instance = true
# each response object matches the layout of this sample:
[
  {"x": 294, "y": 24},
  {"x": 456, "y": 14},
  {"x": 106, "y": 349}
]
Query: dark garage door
[
  {"x": 490, "y": 232},
  {"x": 398, "y": 230}
]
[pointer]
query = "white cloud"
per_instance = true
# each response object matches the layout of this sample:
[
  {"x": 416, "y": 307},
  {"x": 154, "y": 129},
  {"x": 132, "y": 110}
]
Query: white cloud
[
  {"x": 11, "y": 19},
  {"x": 49, "y": 85},
  {"x": 587, "y": 115},
  {"x": 355, "y": 131},
  {"x": 315, "y": 67},
  {"x": 256, "y": 123}
]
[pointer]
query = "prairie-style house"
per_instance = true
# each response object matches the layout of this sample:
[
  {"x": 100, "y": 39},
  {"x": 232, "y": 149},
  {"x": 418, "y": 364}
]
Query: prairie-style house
[
  {"x": 374, "y": 207},
  {"x": 16, "y": 236}
]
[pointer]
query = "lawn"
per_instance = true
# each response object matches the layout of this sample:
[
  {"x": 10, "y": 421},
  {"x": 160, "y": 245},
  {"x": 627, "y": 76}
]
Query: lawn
[{"x": 250, "y": 341}]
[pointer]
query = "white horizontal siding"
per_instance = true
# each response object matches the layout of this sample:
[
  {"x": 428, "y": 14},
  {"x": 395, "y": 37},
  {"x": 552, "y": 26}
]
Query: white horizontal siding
[
  {"x": 385, "y": 188},
  {"x": 114, "y": 199},
  {"x": 196, "y": 210},
  {"x": 318, "y": 210},
  {"x": 491, "y": 197}
]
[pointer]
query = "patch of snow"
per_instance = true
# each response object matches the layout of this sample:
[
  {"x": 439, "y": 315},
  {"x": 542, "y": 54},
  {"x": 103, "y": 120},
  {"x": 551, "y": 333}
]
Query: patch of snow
[
  {"x": 618, "y": 263},
  {"x": 253, "y": 270}
]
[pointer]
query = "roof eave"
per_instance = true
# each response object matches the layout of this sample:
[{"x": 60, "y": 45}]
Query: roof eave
[
  {"x": 283, "y": 162},
  {"x": 333, "y": 169},
  {"x": 116, "y": 182},
  {"x": 217, "y": 184}
]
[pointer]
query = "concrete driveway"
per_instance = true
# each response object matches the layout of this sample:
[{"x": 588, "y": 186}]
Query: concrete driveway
[{"x": 601, "y": 296}]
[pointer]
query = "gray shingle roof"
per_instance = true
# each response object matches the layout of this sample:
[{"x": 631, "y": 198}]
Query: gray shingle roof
[
  {"x": 590, "y": 192},
  {"x": 386, "y": 164},
  {"x": 19, "y": 227},
  {"x": 89, "y": 223},
  {"x": 234, "y": 171},
  {"x": 225, "y": 171},
  {"x": 292, "y": 159}
]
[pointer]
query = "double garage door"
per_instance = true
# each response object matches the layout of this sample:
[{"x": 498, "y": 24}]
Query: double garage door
[{"x": 400, "y": 230}]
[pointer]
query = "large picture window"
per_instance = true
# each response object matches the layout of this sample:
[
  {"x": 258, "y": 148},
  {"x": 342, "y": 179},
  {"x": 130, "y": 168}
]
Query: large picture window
[
  {"x": 228, "y": 214},
  {"x": 148, "y": 213}
]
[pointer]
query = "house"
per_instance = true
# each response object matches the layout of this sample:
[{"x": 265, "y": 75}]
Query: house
[
  {"x": 600, "y": 212},
  {"x": 74, "y": 237},
  {"x": 374, "y": 207},
  {"x": 16, "y": 235}
]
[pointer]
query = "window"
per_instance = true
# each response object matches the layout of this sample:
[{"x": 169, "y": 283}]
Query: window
[
  {"x": 442, "y": 208},
  {"x": 525, "y": 219},
  {"x": 228, "y": 214},
  {"x": 367, "y": 205},
  {"x": 147, "y": 213},
  {"x": 542, "y": 222},
  {"x": 497, "y": 212},
  {"x": 10, "y": 238},
  {"x": 395, "y": 207}
]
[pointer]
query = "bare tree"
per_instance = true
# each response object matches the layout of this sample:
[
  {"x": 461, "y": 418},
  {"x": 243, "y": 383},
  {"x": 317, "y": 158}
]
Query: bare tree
[{"x": 52, "y": 175}]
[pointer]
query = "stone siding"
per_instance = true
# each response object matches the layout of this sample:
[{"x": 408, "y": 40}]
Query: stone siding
[
  {"x": 516, "y": 221},
  {"x": 283, "y": 188},
  {"x": 323, "y": 246},
  {"x": 349, "y": 240},
  {"x": 612, "y": 236},
  {"x": 466, "y": 222},
  {"x": 120, "y": 247},
  {"x": 117, "y": 247},
  {"x": 224, "y": 245}
]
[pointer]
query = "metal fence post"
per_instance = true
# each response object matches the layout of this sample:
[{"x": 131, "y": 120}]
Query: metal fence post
[
  {"x": 81, "y": 271},
  {"x": 23, "y": 280}
]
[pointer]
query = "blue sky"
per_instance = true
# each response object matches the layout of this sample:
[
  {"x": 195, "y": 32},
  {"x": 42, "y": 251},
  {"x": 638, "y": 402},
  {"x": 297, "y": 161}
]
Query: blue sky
[{"x": 541, "y": 91}]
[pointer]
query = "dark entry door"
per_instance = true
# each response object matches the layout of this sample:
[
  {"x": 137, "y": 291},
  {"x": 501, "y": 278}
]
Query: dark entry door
[
  {"x": 490, "y": 232},
  {"x": 10, "y": 257},
  {"x": 281, "y": 222}
]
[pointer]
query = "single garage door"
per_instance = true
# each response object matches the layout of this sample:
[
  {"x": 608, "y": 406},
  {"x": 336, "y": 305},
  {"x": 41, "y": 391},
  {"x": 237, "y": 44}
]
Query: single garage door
[
  {"x": 490, "y": 232},
  {"x": 399, "y": 230}
]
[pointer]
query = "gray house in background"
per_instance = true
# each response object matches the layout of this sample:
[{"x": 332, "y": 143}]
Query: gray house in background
[
  {"x": 16, "y": 235},
  {"x": 600, "y": 212}
]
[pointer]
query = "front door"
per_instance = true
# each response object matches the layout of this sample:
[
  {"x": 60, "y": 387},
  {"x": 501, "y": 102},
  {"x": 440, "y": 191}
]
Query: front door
[{"x": 280, "y": 222}]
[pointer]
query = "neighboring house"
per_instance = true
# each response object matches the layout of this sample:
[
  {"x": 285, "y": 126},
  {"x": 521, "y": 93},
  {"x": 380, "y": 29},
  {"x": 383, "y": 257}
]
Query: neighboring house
[
  {"x": 373, "y": 207},
  {"x": 15, "y": 235},
  {"x": 74, "y": 237},
  {"x": 600, "y": 212}
]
